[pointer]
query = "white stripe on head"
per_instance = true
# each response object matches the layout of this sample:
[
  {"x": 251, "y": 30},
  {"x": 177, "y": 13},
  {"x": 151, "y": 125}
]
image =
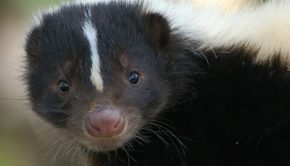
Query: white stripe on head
[{"x": 91, "y": 34}]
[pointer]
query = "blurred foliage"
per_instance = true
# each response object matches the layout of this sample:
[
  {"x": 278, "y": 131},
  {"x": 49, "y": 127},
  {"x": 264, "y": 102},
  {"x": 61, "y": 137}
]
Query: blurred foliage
[{"x": 27, "y": 4}]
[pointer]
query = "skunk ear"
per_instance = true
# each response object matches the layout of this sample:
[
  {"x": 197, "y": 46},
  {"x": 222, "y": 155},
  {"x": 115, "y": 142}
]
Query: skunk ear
[{"x": 158, "y": 30}]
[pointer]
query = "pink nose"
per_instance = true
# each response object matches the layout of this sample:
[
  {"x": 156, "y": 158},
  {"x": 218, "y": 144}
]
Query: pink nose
[{"x": 104, "y": 122}]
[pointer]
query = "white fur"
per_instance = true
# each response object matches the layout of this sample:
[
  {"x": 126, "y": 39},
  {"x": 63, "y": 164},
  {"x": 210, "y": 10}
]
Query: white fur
[
  {"x": 228, "y": 6},
  {"x": 90, "y": 33},
  {"x": 266, "y": 29}
]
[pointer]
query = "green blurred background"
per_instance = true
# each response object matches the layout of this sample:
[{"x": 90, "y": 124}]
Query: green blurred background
[
  {"x": 19, "y": 142},
  {"x": 28, "y": 4}
]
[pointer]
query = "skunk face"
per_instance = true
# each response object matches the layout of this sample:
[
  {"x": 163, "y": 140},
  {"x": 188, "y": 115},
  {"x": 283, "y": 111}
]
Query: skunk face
[
  {"x": 104, "y": 72},
  {"x": 92, "y": 71}
]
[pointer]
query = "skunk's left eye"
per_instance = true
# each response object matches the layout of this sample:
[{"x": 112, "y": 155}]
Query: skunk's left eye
[
  {"x": 134, "y": 77},
  {"x": 64, "y": 86}
]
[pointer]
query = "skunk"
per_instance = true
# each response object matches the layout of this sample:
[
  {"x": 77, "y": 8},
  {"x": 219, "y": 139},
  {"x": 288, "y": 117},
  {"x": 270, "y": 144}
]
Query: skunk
[{"x": 156, "y": 83}]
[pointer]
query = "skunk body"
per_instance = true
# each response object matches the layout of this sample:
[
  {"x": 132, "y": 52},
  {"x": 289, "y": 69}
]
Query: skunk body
[{"x": 156, "y": 83}]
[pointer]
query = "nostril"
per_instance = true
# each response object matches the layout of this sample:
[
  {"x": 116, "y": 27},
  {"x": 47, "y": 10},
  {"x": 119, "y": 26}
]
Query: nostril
[
  {"x": 104, "y": 122},
  {"x": 117, "y": 124},
  {"x": 93, "y": 126}
]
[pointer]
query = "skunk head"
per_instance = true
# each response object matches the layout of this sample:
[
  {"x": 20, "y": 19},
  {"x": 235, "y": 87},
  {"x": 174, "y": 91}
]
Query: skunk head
[{"x": 101, "y": 72}]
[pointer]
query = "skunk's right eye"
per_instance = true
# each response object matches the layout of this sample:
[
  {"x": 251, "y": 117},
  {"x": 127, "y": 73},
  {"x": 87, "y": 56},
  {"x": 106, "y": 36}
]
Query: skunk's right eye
[
  {"x": 134, "y": 77},
  {"x": 64, "y": 86}
]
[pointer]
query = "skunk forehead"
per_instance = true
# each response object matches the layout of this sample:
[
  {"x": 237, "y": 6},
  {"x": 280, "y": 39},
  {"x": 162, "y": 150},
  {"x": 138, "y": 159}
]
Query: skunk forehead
[
  {"x": 91, "y": 35},
  {"x": 70, "y": 34}
]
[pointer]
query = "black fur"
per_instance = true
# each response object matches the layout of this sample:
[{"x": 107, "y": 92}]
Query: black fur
[
  {"x": 239, "y": 117},
  {"x": 230, "y": 111}
]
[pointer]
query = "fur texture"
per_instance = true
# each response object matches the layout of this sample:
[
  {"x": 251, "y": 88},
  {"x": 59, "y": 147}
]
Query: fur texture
[
  {"x": 214, "y": 88},
  {"x": 228, "y": 6}
]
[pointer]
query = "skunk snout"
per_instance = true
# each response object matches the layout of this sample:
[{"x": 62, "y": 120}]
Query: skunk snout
[{"x": 104, "y": 122}]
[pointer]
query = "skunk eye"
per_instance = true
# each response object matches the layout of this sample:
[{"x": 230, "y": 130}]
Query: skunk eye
[
  {"x": 64, "y": 86},
  {"x": 134, "y": 77}
]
